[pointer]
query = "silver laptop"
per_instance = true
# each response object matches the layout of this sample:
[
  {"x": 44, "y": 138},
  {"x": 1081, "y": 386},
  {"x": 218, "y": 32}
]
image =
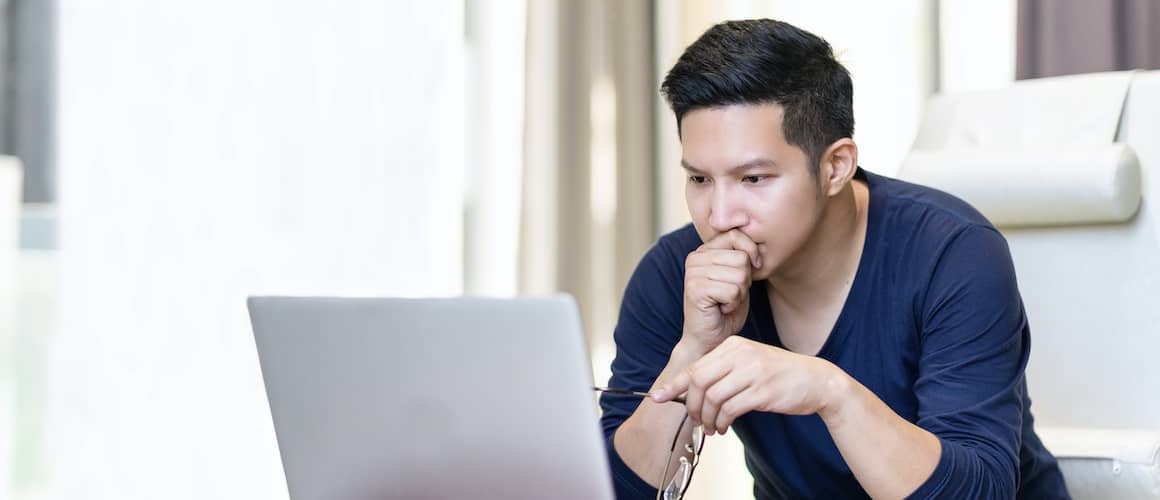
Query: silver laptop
[{"x": 431, "y": 398}]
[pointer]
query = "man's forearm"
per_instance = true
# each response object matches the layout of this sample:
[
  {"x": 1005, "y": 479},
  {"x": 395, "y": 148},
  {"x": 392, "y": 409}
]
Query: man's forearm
[
  {"x": 889, "y": 456},
  {"x": 643, "y": 440}
]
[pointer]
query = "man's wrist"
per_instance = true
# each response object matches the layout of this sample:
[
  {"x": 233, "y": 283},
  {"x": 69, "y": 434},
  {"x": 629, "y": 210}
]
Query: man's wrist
[
  {"x": 839, "y": 392},
  {"x": 685, "y": 353},
  {"x": 689, "y": 350}
]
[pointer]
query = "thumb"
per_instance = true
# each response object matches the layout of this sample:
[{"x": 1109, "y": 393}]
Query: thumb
[{"x": 666, "y": 390}]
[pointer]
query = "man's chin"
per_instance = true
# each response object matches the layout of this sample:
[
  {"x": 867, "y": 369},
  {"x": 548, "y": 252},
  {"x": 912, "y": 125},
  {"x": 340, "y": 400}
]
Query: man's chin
[{"x": 762, "y": 274}]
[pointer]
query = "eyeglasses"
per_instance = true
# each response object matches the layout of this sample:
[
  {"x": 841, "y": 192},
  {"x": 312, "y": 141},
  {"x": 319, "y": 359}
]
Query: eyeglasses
[{"x": 680, "y": 463}]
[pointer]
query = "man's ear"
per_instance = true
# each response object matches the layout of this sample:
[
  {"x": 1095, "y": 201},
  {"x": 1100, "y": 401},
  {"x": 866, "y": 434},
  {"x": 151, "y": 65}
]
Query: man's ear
[{"x": 837, "y": 165}]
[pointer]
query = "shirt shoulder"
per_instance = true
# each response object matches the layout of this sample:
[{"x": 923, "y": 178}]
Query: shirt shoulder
[
  {"x": 681, "y": 241},
  {"x": 657, "y": 283},
  {"x": 671, "y": 249},
  {"x": 915, "y": 225},
  {"x": 919, "y": 240}
]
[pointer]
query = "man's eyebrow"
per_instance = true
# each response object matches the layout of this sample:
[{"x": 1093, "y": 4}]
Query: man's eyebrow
[{"x": 754, "y": 163}]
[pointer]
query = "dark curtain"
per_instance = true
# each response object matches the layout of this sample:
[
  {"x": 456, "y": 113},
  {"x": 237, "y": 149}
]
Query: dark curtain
[{"x": 1063, "y": 37}]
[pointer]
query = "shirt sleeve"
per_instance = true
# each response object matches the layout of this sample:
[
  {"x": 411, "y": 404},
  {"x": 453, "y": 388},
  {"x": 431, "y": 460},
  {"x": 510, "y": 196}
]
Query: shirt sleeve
[
  {"x": 649, "y": 326},
  {"x": 970, "y": 385}
]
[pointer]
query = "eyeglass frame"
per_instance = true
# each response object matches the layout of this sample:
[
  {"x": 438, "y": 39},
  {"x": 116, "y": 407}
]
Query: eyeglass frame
[{"x": 692, "y": 447}]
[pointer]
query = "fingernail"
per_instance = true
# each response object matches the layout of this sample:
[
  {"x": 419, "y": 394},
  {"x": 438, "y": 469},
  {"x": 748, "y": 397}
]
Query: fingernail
[{"x": 660, "y": 395}]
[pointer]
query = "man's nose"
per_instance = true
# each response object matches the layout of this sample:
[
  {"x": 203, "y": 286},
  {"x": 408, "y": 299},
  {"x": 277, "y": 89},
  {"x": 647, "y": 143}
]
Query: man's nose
[{"x": 724, "y": 211}]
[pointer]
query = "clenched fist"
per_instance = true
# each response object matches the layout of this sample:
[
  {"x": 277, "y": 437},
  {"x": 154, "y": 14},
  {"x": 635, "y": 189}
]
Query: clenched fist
[{"x": 717, "y": 279}]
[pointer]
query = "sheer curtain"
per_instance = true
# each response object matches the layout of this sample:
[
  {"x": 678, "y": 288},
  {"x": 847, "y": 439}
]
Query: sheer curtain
[
  {"x": 211, "y": 150},
  {"x": 588, "y": 212}
]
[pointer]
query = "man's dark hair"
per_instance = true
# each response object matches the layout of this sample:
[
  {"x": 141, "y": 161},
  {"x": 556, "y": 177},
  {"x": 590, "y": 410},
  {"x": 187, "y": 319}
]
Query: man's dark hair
[{"x": 763, "y": 61}]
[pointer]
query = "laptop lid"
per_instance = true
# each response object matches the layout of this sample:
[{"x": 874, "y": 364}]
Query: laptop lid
[{"x": 431, "y": 398}]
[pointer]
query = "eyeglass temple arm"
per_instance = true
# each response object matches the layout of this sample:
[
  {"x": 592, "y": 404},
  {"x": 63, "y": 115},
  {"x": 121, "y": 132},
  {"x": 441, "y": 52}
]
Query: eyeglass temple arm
[{"x": 633, "y": 393}]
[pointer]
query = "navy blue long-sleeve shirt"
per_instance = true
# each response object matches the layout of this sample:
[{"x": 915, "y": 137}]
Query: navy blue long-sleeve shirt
[{"x": 933, "y": 325}]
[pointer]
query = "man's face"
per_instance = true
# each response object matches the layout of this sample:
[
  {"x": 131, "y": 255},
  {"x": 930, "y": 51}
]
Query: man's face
[{"x": 743, "y": 175}]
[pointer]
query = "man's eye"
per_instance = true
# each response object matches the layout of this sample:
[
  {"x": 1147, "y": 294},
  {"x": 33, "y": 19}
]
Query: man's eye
[
  {"x": 697, "y": 179},
  {"x": 751, "y": 178}
]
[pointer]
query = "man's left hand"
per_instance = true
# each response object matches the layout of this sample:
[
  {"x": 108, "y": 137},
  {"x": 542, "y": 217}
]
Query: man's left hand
[{"x": 741, "y": 375}]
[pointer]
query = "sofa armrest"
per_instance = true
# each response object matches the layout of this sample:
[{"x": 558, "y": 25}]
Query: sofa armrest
[{"x": 1106, "y": 463}]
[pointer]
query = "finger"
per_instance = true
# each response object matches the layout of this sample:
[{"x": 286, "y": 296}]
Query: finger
[
  {"x": 703, "y": 374},
  {"x": 731, "y": 275},
  {"x": 708, "y": 294},
  {"x": 738, "y": 240},
  {"x": 728, "y": 295},
  {"x": 741, "y": 403},
  {"x": 719, "y": 257},
  {"x": 718, "y": 395},
  {"x": 743, "y": 242},
  {"x": 666, "y": 390}
]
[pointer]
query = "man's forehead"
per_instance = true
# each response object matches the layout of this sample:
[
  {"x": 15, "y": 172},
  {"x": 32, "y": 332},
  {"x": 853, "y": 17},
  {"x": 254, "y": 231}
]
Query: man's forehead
[
  {"x": 733, "y": 124},
  {"x": 724, "y": 139}
]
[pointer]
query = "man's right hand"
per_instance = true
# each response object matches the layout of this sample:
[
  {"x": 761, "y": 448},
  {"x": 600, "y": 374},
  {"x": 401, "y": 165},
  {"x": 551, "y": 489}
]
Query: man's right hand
[{"x": 717, "y": 279}]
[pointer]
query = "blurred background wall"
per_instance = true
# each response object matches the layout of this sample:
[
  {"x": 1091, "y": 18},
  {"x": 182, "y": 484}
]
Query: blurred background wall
[{"x": 179, "y": 156}]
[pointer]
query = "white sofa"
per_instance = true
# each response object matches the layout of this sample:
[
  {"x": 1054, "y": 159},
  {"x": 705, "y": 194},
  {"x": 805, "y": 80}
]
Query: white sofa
[{"x": 1069, "y": 169}]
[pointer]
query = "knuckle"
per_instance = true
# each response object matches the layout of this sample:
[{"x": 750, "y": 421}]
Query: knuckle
[
  {"x": 698, "y": 382},
  {"x": 733, "y": 275},
  {"x": 695, "y": 377},
  {"x": 713, "y": 398},
  {"x": 728, "y": 411}
]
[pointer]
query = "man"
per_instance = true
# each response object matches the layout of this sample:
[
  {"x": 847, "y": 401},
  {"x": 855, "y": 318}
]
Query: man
[{"x": 863, "y": 336}]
